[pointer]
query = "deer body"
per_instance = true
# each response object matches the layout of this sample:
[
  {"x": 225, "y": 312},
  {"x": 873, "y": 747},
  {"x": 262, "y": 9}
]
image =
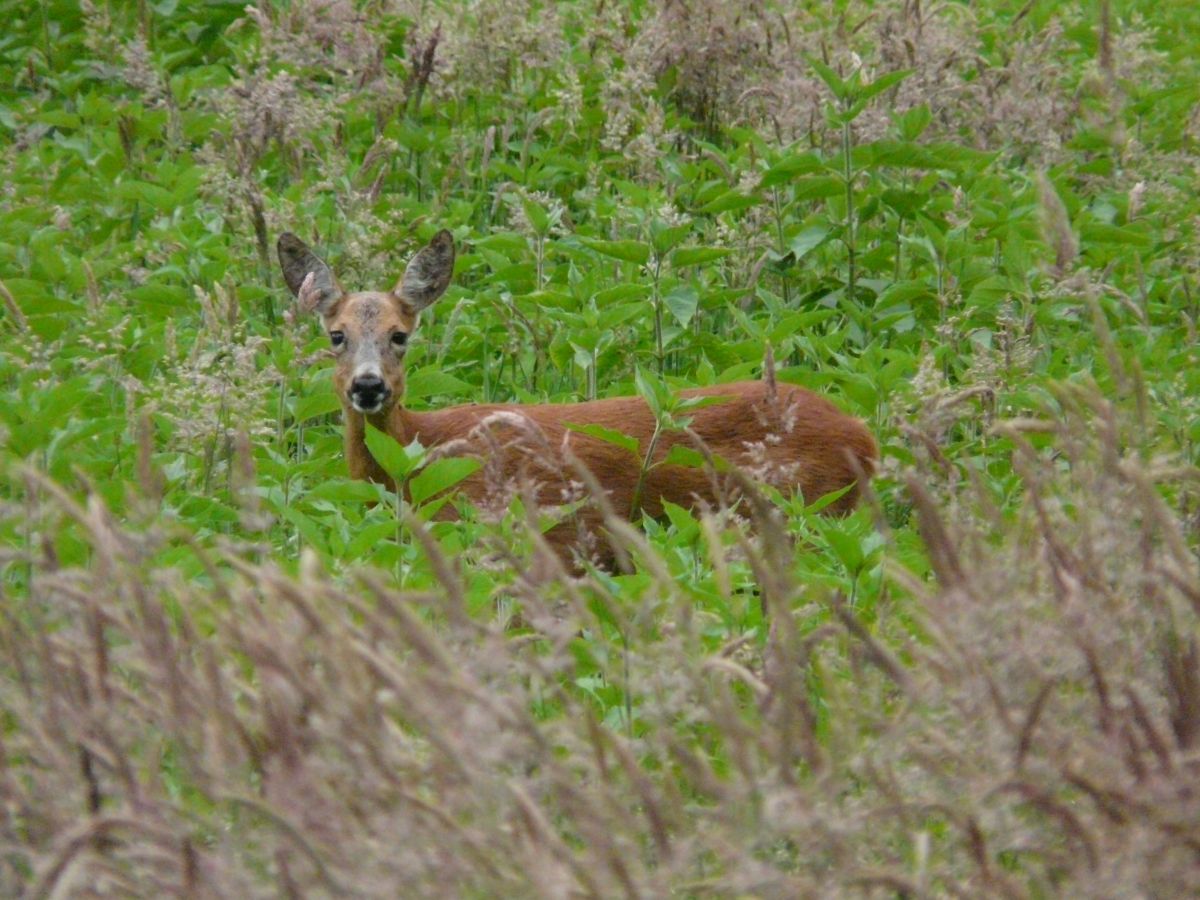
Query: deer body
[{"x": 782, "y": 434}]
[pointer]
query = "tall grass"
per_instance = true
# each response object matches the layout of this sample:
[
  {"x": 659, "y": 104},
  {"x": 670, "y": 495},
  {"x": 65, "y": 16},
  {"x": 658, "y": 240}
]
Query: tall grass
[{"x": 1025, "y": 723}]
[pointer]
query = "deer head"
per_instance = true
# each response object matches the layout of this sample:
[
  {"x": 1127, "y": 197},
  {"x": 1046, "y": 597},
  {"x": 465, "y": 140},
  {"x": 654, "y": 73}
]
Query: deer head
[{"x": 368, "y": 330}]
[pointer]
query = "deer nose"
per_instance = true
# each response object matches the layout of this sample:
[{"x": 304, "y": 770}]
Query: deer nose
[{"x": 368, "y": 392}]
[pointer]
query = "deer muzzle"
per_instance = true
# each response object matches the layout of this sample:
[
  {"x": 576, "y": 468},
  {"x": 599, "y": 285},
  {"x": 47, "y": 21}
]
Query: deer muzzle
[{"x": 368, "y": 393}]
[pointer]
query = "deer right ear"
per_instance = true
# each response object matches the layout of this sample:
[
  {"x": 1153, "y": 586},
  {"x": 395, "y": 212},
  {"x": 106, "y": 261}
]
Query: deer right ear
[
  {"x": 428, "y": 273},
  {"x": 298, "y": 262}
]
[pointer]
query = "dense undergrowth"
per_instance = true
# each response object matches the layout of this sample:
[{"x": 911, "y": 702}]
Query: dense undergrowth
[{"x": 226, "y": 672}]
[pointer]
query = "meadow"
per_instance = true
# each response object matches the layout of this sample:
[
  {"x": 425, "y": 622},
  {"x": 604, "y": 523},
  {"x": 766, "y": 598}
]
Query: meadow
[{"x": 229, "y": 670}]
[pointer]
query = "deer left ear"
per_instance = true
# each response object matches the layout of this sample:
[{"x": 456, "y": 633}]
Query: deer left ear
[
  {"x": 297, "y": 263},
  {"x": 428, "y": 274}
]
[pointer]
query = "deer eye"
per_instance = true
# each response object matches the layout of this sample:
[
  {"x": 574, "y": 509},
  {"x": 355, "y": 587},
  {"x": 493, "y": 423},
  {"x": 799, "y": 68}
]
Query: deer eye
[
  {"x": 399, "y": 338},
  {"x": 337, "y": 338}
]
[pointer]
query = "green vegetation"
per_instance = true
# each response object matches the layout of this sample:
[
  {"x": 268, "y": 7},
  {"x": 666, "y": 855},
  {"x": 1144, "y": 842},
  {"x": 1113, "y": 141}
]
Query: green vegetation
[{"x": 228, "y": 670}]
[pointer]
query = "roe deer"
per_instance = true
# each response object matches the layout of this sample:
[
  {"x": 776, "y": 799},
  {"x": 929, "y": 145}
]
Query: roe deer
[{"x": 784, "y": 434}]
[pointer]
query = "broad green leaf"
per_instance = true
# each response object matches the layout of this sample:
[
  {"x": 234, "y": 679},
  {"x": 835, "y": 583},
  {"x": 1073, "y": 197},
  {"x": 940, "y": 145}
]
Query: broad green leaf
[
  {"x": 789, "y": 167},
  {"x": 683, "y": 519},
  {"x": 162, "y": 298},
  {"x": 694, "y": 256},
  {"x": 846, "y": 547},
  {"x": 730, "y": 200},
  {"x": 608, "y": 435},
  {"x": 59, "y": 119},
  {"x": 654, "y": 391},
  {"x": 538, "y": 218},
  {"x": 682, "y": 300},
  {"x": 396, "y": 460},
  {"x": 158, "y": 197},
  {"x": 665, "y": 238},
  {"x": 903, "y": 292},
  {"x": 808, "y": 240},
  {"x": 619, "y": 292},
  {"x": 881, "y": 84},
  {"x": 833, "y": 81},
  {"x": 988, "y": 291},
  {"x": 367, "y": 538},
  {"x": 682, "y": 455},
  {"x": 319, "y": 404},
  {"x": 912, "y": 124},
  {"x": 905, "y": 154},
  {"x": 345, "y": 490},
  {"x": 441, "y": 475},
  {"x": 507, "y": 242},
  {"x": 1099, "y": 233},
  {"x": 313, "y": 533},
  {"x": 861, "y": 389},
  {"x": 433, "y": 382},
  {"x": 684, "y": 404},
  {"x": 817, "y": 187},
  {"x": 611, "y": 318},
  {"x": 630, "y": 251}
]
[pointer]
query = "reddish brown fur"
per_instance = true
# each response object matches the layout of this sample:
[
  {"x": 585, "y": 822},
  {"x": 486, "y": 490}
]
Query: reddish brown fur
[{"x": 793, "y": 438}]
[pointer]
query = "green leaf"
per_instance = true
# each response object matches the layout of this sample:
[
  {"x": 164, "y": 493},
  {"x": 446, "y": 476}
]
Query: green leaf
[
  {"x": 693, "y": 256},
  {"x": 905, "y": 203},
  {"x": 789, "y": 167},
  {"x": 507, "y": 242},
  {"x": 682, "y": 300},
  {"x": 158, "y": 197},
  {"x": 654, "y": 391},
  {"x": 685, "y": 404},
  {"x": 433, "y": 382},
  {"x": 313, "y": 534},
  {"x": 833, "y": 81},
  {"x": 860, "y": 389},
  {"x": 683, "y": 520},
  {"x": 902, "y": 292},
  {"x": 1099, "y": 233},
  {"x": 368, "y": 538},
  {"x": 630, "y": 251},
  {"x": 161, "y": 298},
  {"x": 397, "y": 461},
  {"x": 912, "y": 124},
  {"x": 608, "y": 435},
  {"x": 989, "y": 290},
  {"x": 441, "y": 475},
  {"x": 881, "y": 84},
  {"x": 345, "y": 490},
  {"x": 320, "y": 404},
  {"x": 619, "y": 292},
  {"x": 681, "y": 455},
  {"x": 664, "y": 238},
  {"x": 730, "y": 200},
  {"x": 808, "y": 240},
  {"x": 905, "y": 154},
  {"x": 846, "y": 547},
  {"x": 818, "y": 187},
  {"x": 538, "y": 218}
]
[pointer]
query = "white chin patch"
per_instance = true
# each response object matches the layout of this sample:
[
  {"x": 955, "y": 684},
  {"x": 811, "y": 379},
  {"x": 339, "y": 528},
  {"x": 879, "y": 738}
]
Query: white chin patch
[{"x": 366, "y": 409}]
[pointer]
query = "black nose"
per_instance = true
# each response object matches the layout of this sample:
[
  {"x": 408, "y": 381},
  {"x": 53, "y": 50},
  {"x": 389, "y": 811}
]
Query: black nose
[{"x": 369, "y": 390}]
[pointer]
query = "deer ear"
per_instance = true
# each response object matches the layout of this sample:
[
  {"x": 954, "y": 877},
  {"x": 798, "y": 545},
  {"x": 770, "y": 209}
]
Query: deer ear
[
  {"x": 298, "y": 262},
  {"x": 428, "y": 274}
]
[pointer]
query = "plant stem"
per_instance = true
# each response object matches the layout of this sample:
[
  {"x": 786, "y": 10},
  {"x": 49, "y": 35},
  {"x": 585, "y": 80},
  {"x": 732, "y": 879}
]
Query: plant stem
[
  {"x": 635, "y": 505},
  {"x": 782, "y": 248},
  {"x": 658, "y": 317},
  {"x": 848, "y": 175}
]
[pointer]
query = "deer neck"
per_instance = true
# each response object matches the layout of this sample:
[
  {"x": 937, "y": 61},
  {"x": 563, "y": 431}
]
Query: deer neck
[{"x": 396, "y": 422}]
